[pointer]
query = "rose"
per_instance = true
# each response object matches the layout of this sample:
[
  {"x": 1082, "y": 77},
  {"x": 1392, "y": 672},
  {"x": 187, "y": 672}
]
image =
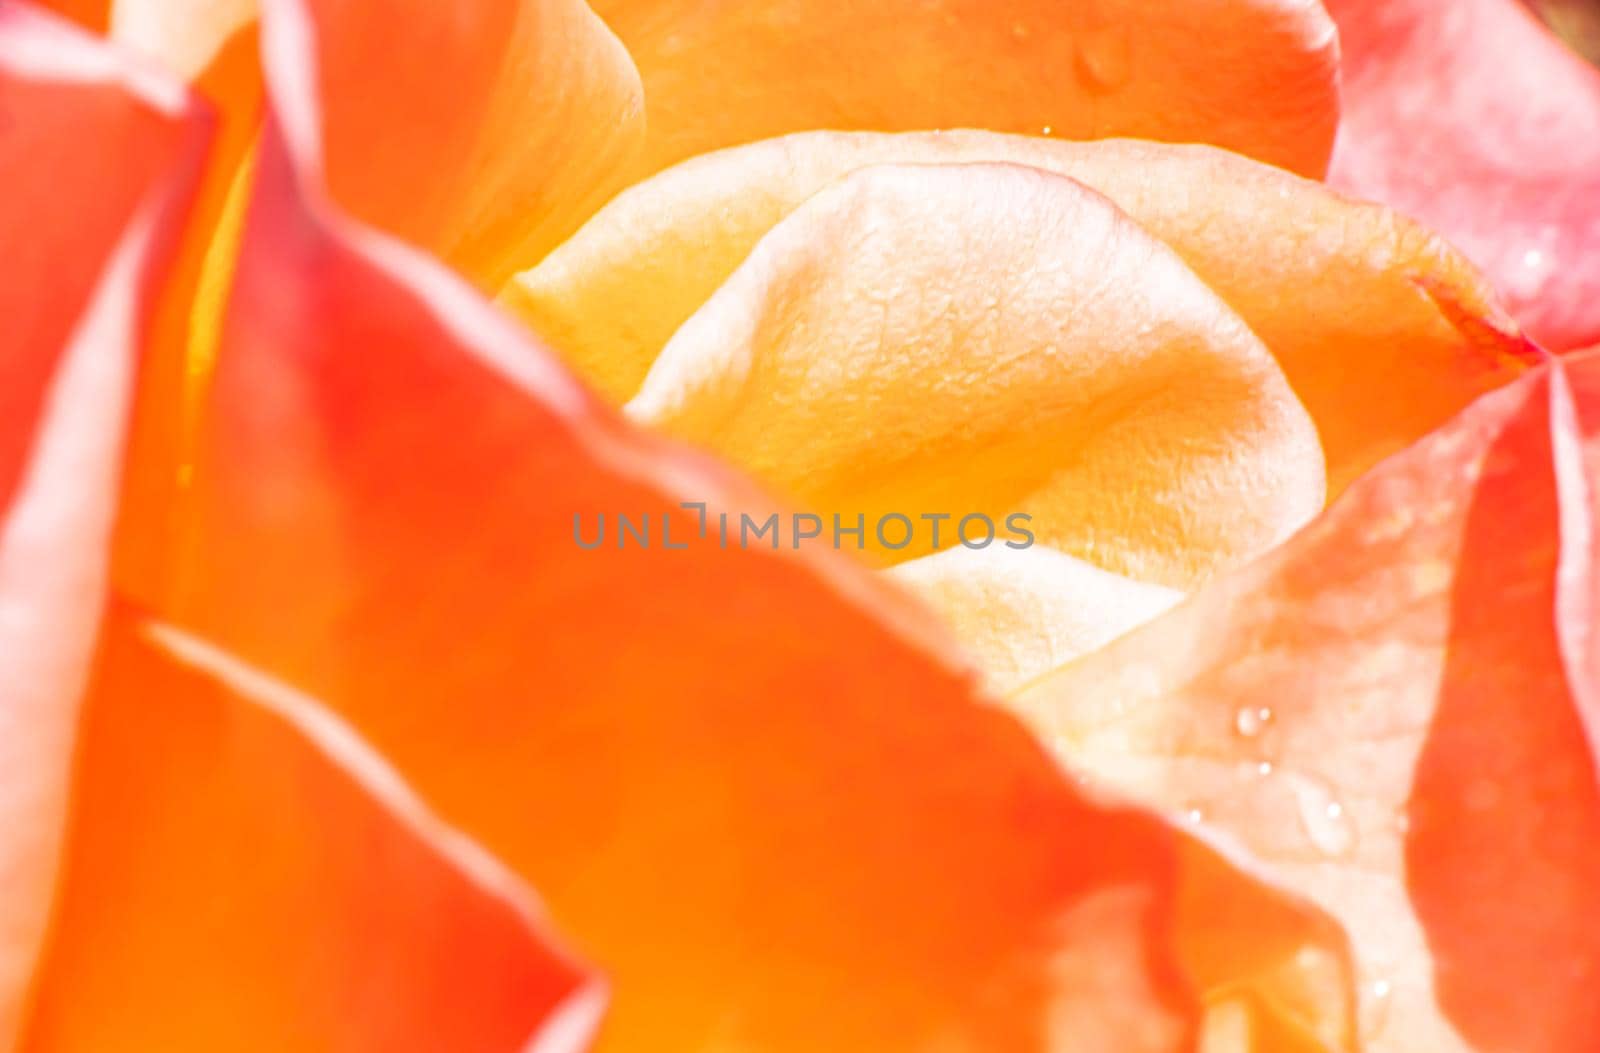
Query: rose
[{"x": 864, "y": 856}]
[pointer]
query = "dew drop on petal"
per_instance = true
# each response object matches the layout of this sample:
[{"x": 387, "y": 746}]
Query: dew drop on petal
[
  {"x": 1251, "y": 719},
  {"x": 1323, "y": 817},
  {"x": 1375, "y": 1009}
]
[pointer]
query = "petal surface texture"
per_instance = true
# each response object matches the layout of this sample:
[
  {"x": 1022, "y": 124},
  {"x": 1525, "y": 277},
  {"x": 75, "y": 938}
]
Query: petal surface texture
[
  {"x": 994, "y": 340},
  {"x": 1506, "y": 164},
  {"x": 1383, "y": 331},
  {"x": 1395, "y": 713},
  {"x": 720, "y": 73},
  {"x": 686, "y": 752},
  {"x": 243, "y": 873},
  {"x": 98, "y": 157}
]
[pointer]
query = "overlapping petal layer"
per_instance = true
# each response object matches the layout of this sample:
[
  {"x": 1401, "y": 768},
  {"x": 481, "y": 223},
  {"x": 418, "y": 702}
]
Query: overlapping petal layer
[
  {"x": 683, "y": 750},
  {"x": 1391, "y": 711},
  {"x": 98, "y": 158},
  {"x": 998, "y": 340},
  {"x": 242, "y": 873},
  {"x": 737, "y": 779},
  {"x": 1473, "y": 117},
  {"x": 1022, "y": 613},
  {"x": 719, "y": 72},
  {"x": 1383, "y": 331},
  {"x": 542, "y": 110}
]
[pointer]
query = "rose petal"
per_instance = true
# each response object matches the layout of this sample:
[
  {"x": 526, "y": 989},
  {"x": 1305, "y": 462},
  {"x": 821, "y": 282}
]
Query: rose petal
[
  {"x": 994, "y": 340},
  {"x": 1384, "y": 714},
  {"x": 1022, "y": 612},
  {"x": 100, "y": 159},
  {"x": 721, "y": 73},
  {"x": 386, "y": 505},
  {"x": 1383, "y": 330},
  {"x": 93, "y": 15},
  {"x": 483, "y": 132},
  {"x": 184, "y": 35},
  {"x": 1506, "y": 165},
  {"x": 244, "y": 874},
  {"x": 685, "y": 751}
]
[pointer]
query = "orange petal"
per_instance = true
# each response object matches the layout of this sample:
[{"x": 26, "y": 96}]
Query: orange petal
[
  {"x": 687, "y": 752},
  {"x": 93, "y": 15},
  {"x": 1022, "y": 612},
  {"x": 214, "y": 44},
  {"x": 721, "y": 73},
  {"x": 100, "y": 159},
  {"x": 994, "y": 340},
  {"x": 1474, "y": 117},
  {"x": 1383, "y": 331},
  {"x": 1387, "y": 712},
  {"x": 650, "y": 737},
  {"x": 243, "y": 873},
  {"x": 483, "y": 132}
]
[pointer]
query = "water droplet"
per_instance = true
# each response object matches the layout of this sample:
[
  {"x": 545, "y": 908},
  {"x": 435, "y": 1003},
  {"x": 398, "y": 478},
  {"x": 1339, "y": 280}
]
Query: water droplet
[
  {"x": 1047, "y": 130},
  {"x": 1105, "y": 58},
  {"x": 1195, "y": 815},
  {"x": 1375, "y": 1009},
  {"x": 1019, "y": 30},
  {"x": 185, "y": 474},
  {"x": 1250, "y": 720},
  {"x": 1530, "y": 278},
  {"x": 1323, "y": 817},
  {"x": 1264, "y": 768}
]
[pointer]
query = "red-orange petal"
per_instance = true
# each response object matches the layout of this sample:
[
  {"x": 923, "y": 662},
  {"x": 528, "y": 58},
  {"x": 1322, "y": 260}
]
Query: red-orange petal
[
  {"x": 1396, "y": 713},
  {"x": 721, "y": 72},
  {"x": 99, "y": 158},
  {"x": 242, "y": 873},
  {"x": 1475, "y": 118}
]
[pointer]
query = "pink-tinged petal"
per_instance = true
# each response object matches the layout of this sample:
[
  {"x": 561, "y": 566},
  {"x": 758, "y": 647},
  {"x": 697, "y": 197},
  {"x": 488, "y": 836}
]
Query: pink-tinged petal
[
  {"x": 1577, "y": 452},
  {"x": 719, "y": 73},
  {"x": 1471, "y": 116},
  {"x": 243, "y": 873},
  {"x": 98, "y": 158},
  {"x": 738, "y": 779},
  {"x": 1396, "y": 713}
]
